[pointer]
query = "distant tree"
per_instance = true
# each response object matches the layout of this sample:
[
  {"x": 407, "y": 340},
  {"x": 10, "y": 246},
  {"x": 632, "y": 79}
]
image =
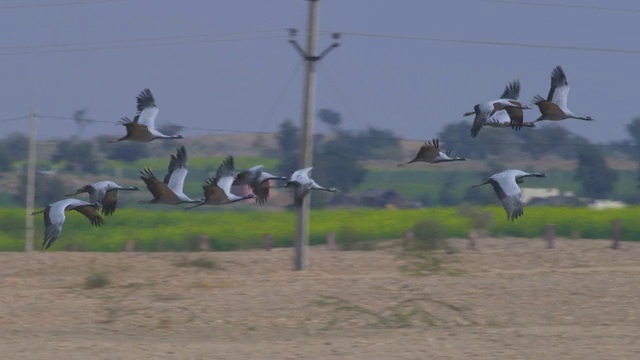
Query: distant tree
[
  {"x": 288, "y": 147},
  {"x": 633, "y": 128},
  {"x": 330, "y": 117},
  {"x": 596, "y": 178},
  {"x": 489, "y": 142},
  {"x": 288, "y": 137},
  {"x": 337, "y": 163},
  {"x": 16, "y": 146},
  {"x": 550, "y": 140},
  {"x": 78, "y": 155},
  {"x": 5, "y": 162},
  {"x": 81, "y": 120},
  {"x": 49, "y": 188},
  {"x": 447, "y": 195},
  {"x": 375, "y": 143}
]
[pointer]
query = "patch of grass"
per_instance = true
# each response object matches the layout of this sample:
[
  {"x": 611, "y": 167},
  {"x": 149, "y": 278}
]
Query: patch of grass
[
  {"x": 199, "y": 263},
  {"x": 429, "y": 234},
  {"x": 349, "y": 238},
  {"x": 96, "y": 280}
]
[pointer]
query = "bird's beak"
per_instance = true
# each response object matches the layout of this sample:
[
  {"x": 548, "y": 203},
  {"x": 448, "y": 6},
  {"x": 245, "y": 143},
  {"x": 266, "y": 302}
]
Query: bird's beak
[
  {"x": 74, "y": 193},
  {"x": 469, "y": 113}
]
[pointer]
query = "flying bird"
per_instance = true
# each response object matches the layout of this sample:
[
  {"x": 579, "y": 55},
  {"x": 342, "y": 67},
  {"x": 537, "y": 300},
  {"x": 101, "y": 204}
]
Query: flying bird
[
  {"x": 554, "y": 107},
  {"x": 302, "y": 185},
  {"x": 105, "y": 192},
  {"x": 170, "y": 190},
  {"x": 143, "y": 126},
  {"x": 258, "y": 180},
  {"x": 430, "y": 152},
  {"x": 54, "y": 216},
  {"x": 217, "y": 190},
  {"x": 508, "y": 101},
  {"x": 506, "y": 186}
]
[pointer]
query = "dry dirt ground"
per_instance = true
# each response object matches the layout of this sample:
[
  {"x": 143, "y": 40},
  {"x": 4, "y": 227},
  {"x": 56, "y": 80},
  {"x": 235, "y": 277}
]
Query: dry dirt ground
[{"x": 512, "y": 299}]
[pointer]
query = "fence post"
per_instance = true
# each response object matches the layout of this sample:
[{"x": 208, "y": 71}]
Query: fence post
[
  {"x": 130, "y": 246},
  {"x": 615, "y": 234},
  {"x": 203, "y": 243},
  {"x": 331, "y": 241},
  {"x": 267, "y": 242},
  {"x": 550, "y": 237},
  {"x": 473, "y": 245}
]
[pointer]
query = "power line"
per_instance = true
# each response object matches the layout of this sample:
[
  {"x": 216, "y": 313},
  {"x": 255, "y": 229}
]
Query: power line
[
  {"x": 567, "y": 6},
  {"x": 233, "y": 131},
  {"x": 281, "y": 95},
  {"x": 141, "y": 40},
  {"x": 487, "y": 42},
  {"x": 14, "y": 119},
  {"x": 57, "y": 4},
  {"x": 136, "y": 46}
]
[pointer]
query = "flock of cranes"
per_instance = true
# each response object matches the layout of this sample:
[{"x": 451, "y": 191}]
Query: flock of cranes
[{"x": 504, "y": 112}]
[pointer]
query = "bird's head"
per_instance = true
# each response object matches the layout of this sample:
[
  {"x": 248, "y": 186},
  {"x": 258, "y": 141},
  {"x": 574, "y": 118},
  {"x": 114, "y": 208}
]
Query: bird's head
[{"x": 587, "y": 118}]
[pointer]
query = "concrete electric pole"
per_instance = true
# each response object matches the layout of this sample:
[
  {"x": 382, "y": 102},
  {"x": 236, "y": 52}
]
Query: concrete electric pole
[
  {"x": 31, "y": 180},
  {"x": 306, "y": 153}
]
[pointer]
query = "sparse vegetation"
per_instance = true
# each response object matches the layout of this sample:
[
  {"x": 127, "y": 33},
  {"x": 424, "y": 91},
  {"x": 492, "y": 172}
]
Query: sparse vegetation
[
  {"x": 96, "y": 280},
  {"x": 430, "y": 234},
  {"x": 349, "y": 238},
  {"x": 203, "y": 263}
]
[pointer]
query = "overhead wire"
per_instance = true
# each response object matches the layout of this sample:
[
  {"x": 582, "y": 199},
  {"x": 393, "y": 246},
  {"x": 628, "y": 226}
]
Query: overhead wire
[
  {"x": 57, "y": 4},
  {"x": 49, "y": 49},
  {"x": 567, "y": 6},
  {"x": 14, "y": 119},
  {"x": 280, "y": 96},
  {"x": 485, "y": 42},
  {"x": 235, "y": 131}
]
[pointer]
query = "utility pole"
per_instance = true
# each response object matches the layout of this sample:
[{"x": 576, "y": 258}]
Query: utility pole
[
  {"x": 31, "y": 179},
  {"x": 306, "y": 153}
]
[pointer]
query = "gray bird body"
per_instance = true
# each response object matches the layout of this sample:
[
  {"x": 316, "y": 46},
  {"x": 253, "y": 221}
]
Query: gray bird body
[
  {"x": 143, "y": 126},
  {"x": 554, "y": 107},
  {"x": 302, "y": 185},
  {"x": 104, "y": 192},
  {"x": 54, "y": 217},
  {"x": 505, "y": 184},
  {"x": 170, "y": 190},
  {"x": 217, "y": 189},
  {"x": 258, "y": 180}
]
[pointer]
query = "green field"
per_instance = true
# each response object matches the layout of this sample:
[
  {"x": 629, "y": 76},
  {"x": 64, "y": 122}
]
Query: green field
[
  {"x": 178, "y": 230},
  {"x": 413, "y": 183}
]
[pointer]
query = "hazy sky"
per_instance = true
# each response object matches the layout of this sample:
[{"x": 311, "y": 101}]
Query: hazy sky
[{"x": 413, "y": 86}]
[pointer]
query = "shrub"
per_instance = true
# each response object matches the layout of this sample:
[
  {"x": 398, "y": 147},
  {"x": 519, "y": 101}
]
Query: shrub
[
  {"x": 429, "y": 234},
  {"x": 348, "y": 238},
  {"x": 96, "y": 280},
  {"x": 199, "y": 262}
]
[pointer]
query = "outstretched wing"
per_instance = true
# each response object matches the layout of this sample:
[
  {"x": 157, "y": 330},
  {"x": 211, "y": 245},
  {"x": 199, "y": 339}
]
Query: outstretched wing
[
  {"x": 147, "y": 109},
  {"x": 53, "y": 221},
  {"x": 158, "y": 189},
  {"x": 511, "y": 91},
  {"x": 177, "y": 170},
  {"x": 429, "y": 151},
  {"x": 559, "y": 88},
  {"x": 91, "y": 212},
  {"x": 109, "y": 202}
]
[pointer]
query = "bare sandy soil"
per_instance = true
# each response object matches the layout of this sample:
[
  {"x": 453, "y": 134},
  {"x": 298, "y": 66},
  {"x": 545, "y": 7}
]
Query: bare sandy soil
[{"x": 512, "y": 299}]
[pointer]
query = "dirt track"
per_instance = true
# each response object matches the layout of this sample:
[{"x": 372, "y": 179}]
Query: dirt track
[{"x": 511, "y": 300}]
